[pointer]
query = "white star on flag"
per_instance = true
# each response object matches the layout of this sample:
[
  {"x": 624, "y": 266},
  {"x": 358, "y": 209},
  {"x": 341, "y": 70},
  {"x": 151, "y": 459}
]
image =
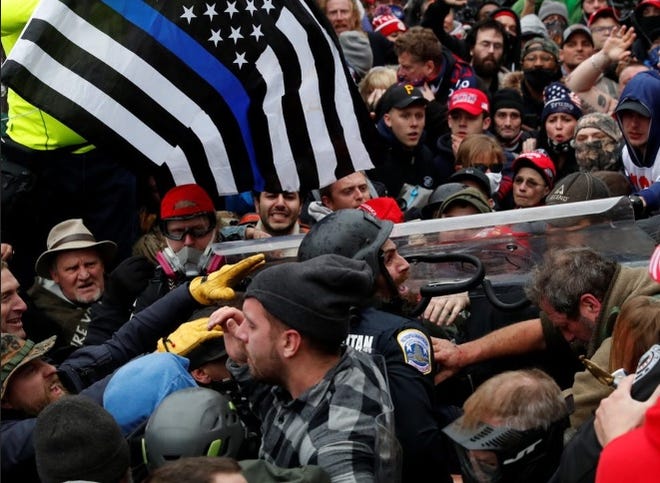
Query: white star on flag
[
  {"x": 210, "y": 11},
  {"x": 235, "y": 34},
  {"x": 231, "y": 9},
  {"x": 215, "y": 37},
  {"x": 188, "y": 13},
  {"x": 250, "y": 7},
  {"x": 256, "y": 32},
  {"x": 240, "y": 60}
]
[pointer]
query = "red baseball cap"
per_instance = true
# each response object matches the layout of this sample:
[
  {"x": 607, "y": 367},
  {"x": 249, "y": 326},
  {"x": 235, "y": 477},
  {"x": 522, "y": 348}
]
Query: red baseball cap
[
  {"x": 539, "y": 161},
  {"x": 469, "y": 100},
  {"x": 383, "y": 208},
  {"x": 186, "y": 201},
  {"x": 604, "y": 12},
  {"x": 643, "y": 4}
]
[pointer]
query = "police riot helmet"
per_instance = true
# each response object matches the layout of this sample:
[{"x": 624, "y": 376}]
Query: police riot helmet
[
  {"x": 194, "y": 421},
  {"x": 351, "y": 233}
]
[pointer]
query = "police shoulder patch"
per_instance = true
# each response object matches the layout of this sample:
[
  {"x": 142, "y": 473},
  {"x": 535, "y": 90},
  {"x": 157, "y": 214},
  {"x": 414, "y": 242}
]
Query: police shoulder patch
[{"x": 416, "y": 349}]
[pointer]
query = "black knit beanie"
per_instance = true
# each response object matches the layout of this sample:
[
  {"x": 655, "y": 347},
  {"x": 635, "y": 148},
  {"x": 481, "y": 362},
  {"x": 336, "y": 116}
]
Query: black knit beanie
[
  {"x": 506, "y": 99},
  {"x": 314, "y": 296},
  {"x": 76, "y": 439}
]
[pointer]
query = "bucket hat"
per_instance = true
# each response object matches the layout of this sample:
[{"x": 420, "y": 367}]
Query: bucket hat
[{"x": 71, "y": 235}]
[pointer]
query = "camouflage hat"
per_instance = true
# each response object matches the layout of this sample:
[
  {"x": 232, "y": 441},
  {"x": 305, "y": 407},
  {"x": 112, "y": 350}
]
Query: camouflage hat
[
  {"x": 601, "y": 121},
  {"x": 17, "y": 352},
  {"x": 472, "y": 196},
  {"x": 542, "y": 44}
]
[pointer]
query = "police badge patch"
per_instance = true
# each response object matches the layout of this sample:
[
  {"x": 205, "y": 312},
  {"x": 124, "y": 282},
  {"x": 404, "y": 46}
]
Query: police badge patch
[{"x": 416, "y": 349}]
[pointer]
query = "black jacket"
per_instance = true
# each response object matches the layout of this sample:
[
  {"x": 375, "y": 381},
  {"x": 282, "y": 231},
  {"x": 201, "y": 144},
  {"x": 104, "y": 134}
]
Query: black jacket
[{"x": 401, "y": 165}]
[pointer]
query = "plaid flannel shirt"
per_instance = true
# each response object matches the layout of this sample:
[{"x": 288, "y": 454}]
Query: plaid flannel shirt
[{"x": 331, "y": 425}]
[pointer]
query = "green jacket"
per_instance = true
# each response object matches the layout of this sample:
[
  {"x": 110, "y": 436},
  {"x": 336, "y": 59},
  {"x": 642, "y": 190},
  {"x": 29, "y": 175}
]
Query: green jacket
[{"x": 574, "y": 9}]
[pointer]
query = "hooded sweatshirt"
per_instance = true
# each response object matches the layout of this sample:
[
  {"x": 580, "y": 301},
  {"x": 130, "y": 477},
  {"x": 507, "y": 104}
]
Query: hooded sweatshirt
[{"x": 644, "y": 171}]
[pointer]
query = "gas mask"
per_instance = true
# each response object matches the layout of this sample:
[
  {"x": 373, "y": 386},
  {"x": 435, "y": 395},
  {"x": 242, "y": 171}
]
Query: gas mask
[
  {"x": 188, "y": 262},
  {"x": 506, "y": 455}
]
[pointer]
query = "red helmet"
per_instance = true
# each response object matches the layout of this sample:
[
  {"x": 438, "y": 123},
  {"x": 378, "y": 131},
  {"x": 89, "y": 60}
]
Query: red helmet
[{"x": 186, "y": 201}]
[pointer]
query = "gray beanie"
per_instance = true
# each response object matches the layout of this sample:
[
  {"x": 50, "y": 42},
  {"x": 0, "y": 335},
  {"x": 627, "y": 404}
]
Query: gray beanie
[
  {"x": 314, "y": 297},
  {"x": 76, "y": 439},
  {"x": 531, "y": 25},
  {"x": 357, "y": 50},
  {"x": 550, "y": 7}
]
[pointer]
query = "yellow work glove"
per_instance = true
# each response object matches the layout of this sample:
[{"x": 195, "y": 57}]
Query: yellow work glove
[
  {"x": 218, "y": 286},
  {"x": 189, "y": 336}
]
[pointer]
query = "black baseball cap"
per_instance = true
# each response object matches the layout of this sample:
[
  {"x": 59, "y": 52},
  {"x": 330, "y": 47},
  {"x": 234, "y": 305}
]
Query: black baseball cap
[
  {"x": 635, "y": 106},
  {"x": 400, "y": 96}
]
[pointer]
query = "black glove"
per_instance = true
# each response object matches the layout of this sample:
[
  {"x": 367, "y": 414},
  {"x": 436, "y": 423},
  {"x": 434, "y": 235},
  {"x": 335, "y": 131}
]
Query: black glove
[
  {"x": 128, "y": 280},
  {"x": 435, "y": 15},
  {"x": 638, "y": 206}
]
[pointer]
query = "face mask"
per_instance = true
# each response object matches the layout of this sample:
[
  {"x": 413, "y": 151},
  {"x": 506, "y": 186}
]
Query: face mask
[
  {"x": 495, "y": 179},
  {"x": 596, "y": 155},
  {"x": 556, "y": 31},
  {"x": 539, "y": 78},
  {"x": 646, "y": 25},
  {"x": 562, "y": 147}
]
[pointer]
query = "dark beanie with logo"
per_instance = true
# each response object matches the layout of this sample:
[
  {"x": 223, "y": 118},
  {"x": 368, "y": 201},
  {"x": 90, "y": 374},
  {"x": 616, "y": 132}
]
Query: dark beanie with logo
[
  {"x": 76, "y": 439},
  {"x": 314, "y": 297}
]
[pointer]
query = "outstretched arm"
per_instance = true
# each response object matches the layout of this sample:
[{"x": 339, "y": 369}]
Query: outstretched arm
[
  {"x": 514, "y": 339},
  {"x": 583, "y": 78}
]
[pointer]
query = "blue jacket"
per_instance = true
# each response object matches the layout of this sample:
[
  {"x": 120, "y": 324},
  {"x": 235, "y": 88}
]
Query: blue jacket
[
  {"x": 87, "y": 366},
  {"x": 644, "y": 171}
]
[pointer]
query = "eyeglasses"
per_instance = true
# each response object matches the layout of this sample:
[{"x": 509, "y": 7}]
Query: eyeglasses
[
  {"x": 533, "y": 58},
  {"x": 603, "y": 30},
  {"x": 181, "y": 233},
  {"x": 528, "y": 181},
  {"x": 493, "y": 168}
]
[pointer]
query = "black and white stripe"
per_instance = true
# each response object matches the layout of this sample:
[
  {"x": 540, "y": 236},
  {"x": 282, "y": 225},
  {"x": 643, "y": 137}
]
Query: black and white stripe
[{"x": 302, "y": 125}]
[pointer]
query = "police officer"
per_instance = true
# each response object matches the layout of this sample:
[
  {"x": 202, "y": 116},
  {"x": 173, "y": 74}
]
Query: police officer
[{"x": 401, "y": 341}]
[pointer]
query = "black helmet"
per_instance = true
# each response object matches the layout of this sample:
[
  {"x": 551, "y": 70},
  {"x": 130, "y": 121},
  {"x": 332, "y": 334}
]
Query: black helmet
[
  {"x": 439, "y": 195},
  {"x": 195, "y": 421},
  {"x": 352, "y": 233}
]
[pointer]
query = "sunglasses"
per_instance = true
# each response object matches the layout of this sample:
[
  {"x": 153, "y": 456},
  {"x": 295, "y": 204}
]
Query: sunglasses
[{"x": 494, "y": 168}]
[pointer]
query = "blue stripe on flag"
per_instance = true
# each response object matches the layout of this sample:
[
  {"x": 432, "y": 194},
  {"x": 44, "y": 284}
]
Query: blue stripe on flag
[{"x": 197, "y": 58}]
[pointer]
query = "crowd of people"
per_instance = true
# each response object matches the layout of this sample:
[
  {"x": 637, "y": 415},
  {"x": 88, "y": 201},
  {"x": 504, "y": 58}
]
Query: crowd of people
[{"x": 132, "y": 351}]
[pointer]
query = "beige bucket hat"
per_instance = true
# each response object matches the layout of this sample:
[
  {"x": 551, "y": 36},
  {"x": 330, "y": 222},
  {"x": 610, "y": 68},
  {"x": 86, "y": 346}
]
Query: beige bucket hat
[{"x": 71, "y": 235}]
